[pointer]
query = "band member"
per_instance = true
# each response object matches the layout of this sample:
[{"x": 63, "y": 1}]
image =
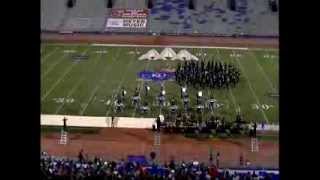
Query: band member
[
  {"x": 123, "y": 92},
  {"x": 147, "y": 89}
]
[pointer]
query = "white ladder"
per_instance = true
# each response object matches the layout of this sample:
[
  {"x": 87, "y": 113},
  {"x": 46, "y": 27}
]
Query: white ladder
[
  {"x": 63, "y": 138},
  {"x": 157, "y": 139},
  {"x": 157, "y": 142},
  {"x": 254, "y": 145}
]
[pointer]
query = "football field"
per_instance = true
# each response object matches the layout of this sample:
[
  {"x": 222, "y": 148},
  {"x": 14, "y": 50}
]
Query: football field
[{"x": 88, "y": 87}]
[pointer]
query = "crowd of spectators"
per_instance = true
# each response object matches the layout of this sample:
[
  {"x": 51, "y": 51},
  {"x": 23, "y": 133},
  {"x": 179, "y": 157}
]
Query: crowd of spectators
[{"x": 98, "y": 169}]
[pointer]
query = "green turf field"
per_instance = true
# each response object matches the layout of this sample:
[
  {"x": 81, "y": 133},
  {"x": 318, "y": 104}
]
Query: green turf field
[{"x": 84, "y": 88}]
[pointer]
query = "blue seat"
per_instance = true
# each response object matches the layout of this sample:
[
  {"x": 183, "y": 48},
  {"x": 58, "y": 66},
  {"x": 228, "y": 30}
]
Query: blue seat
[
  {"x": 262, "y": 12},
  {"x": 201, "y": 21},
  {"x": 210, "y": 6},
  {"x": 174, "y": 22},
  {"x": 154, "y": 11},
  {"x": 157, "y": 18},
  {"x": 186, "y": 26},
  {"x": 159, "y": 3},
  {"x": 167, "y": 7},
  {"x": 181, "y": 5},
  {"x": 181, "y": 11},
  {"x": 164, "y": 17},
  {"x": 175, "y": 1}
]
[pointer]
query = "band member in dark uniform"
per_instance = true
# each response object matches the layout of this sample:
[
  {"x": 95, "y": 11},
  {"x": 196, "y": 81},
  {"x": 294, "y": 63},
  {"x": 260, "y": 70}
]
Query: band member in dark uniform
[{"x": 123, "y": 93}]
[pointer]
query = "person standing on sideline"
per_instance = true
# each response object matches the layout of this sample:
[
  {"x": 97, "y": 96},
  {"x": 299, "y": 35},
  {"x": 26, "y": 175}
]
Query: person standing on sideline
[
  {"x": 112, "y": 121},
  {"x": 158, "y": 124},
  {"x": 64, "y": 124},
  {"x": 262, "y": 126},
  {"x": 254, "y": 129}
]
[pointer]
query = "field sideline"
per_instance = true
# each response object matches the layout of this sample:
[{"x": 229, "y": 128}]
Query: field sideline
[{"x": 86, "y": 87}]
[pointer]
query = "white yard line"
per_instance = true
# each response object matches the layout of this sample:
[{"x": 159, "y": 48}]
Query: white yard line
[
  {"x": 120, "y": 84},
  {"x": 89, "y": 100},
  {"x": 69, "y": 94},
  {"x": 263, "y": 73},
  {"x": 57, "y": 82},
  {"x": 76, "y": 86},
  {"x": 171, "y": 46},
  {"x": 233, "y": 98},
  {"x": 60, "y": 79},
  {"x": 140, "y": 86},
  {"x": 48, "y": 55},
  {"x": 96, "y": 88},
  {"x": 251, "y": 89},
  {"x": 53, "y": 66}
]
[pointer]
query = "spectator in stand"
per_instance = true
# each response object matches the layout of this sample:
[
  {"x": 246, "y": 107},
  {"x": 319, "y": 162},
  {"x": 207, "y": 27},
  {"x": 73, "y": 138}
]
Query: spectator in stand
[
  {"x": 218, "y": 159},
  {"x": 247, "y": 163},
  {"x": 241, "y": 160},
  {"x": 248, "y": 176},
  {"x": 254, "y": 176},
  {"x": 85, "y": 169},
  {"x": 80, "y": 156}
]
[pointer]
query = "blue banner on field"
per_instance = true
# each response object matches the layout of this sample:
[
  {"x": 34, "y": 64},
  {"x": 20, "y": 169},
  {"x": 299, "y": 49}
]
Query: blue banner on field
[{"x": 156, "y": 76}]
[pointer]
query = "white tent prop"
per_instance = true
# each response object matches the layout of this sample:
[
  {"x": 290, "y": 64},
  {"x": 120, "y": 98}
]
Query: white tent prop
[
  {"x": 168, "y": 53},
  {"x": 184, "y": 55},
  {"x": 152, "y": 54}
]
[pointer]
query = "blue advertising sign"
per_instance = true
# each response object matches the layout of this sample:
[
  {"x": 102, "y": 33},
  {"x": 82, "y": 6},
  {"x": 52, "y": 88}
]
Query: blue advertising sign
[{"x": 156, "y": 76}]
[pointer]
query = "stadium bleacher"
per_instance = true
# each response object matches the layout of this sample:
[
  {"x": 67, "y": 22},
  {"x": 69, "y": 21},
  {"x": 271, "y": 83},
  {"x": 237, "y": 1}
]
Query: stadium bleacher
[
  {"x": 167, "y": 17},
  {"x": 86, "y": 16},
  {"x": 52, "y": 14},
  {"x": 139, "y": 167}
]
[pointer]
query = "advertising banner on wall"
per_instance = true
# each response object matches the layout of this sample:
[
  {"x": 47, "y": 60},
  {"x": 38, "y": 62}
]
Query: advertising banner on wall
[
  {"x": 126, "y": 23},
  {"x": 127, "y": 18}
]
